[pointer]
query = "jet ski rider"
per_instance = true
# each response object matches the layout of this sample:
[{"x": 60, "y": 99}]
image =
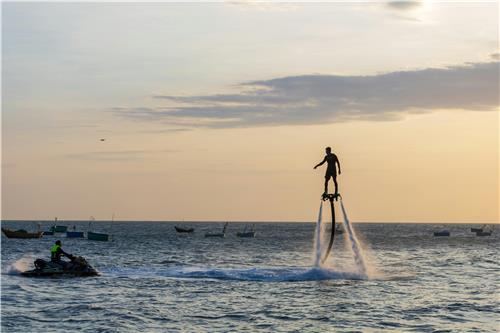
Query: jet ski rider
[{"x": 56, "y": 252}]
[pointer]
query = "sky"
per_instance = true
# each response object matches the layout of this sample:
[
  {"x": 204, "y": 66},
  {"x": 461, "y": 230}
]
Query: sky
[{"x": 219, "y": 111}]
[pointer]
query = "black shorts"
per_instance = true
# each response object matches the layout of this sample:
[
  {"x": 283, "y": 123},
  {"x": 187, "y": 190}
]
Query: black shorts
[{"x": 329, "y": 175}]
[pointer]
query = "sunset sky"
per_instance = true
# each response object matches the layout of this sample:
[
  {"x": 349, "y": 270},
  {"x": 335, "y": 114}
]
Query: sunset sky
[{"x": 219, "y": 111}]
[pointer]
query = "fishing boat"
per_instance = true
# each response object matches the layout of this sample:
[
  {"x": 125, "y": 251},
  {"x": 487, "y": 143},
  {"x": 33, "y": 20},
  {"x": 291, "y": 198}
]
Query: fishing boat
[
  {"x": 59, "y": 228},
  {"x": 477, "y": 229},
  {"x": 183, "y": 230},
  {"x": 97, "y": 236},
  {"x": 218, "y": 234},
  {"x": 21, "y": 233},
  {"x": 247, "y": 233},
  {"x": 74, "y": 233},
  {"x": 442, "y": 233}
]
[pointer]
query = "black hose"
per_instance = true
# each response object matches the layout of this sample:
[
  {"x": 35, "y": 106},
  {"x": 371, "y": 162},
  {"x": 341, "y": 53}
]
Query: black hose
[{"x": 332, "y": 235}]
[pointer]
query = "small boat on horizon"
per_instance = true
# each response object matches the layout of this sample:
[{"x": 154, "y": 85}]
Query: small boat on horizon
[
  {"x": 74, "y": 233},
  {"x": 59, "y": 228},
  {"x": 218, "y": 234},
  {"x": 247, "y": 233},
  {"x": 183, "y": 230},
  {"x": 97, "y": 236},
  {"x": 484, "y": 233},
  {"x": 442, "y": 233},
  {"x": 477, "y": 229}
]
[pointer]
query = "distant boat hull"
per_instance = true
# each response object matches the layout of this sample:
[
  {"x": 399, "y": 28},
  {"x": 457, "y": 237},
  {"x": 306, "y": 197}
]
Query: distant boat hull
[
  {"x": 247, "y": 234},
  {"x": 484, "y": 233},
  {"x": 21, "y": 234},
  {"x": 444, "y": 233},
  {"x": 97, "y": 236},
  {"x": 74, "y": 234},
  {"x": 59, "y": 228},
  {"x": 218, "y": 234},
  {"x": 476, "y": 229},
  {"x": 184, "y": 230},
  {"x": 48, "y": 233}
]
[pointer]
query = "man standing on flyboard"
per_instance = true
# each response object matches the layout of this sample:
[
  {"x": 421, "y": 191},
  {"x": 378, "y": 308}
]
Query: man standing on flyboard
[{"x": 331, "y": 170}]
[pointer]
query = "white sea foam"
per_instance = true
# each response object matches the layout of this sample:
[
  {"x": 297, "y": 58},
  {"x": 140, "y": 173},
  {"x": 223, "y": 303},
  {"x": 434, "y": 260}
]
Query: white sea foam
[
  {"x": 260, "y": 274},
  {"x": 21, "y": 265}
]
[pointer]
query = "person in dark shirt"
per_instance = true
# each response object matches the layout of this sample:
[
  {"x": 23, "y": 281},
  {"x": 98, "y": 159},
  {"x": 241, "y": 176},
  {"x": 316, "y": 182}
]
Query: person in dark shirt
[
  {"x": 56, "y": 252},
  {"x": 331, "y": 169}
]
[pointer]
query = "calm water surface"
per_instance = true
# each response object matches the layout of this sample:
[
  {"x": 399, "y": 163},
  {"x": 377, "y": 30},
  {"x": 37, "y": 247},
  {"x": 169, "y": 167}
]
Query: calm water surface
[{"x": 155, "y": 280}]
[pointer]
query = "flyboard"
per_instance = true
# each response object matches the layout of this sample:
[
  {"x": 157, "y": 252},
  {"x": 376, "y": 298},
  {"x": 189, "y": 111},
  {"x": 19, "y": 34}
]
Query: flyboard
[{"x": 331, "y": 198}]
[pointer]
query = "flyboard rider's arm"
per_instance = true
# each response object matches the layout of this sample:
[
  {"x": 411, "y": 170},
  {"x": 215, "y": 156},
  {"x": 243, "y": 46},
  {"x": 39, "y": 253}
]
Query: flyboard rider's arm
[
  {"x": 321, "y": 163},
  {"x": 338, "y": 162}
]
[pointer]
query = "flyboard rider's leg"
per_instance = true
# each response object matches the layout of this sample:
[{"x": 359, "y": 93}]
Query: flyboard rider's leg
[
  {"x": 327, "y": 179},
  {"x": 336, "y": 185}
]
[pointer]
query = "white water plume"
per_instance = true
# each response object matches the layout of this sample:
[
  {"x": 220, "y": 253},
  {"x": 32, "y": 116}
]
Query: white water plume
[
  {"x": 21, "y": 265},
  {"x": 355, "y": 247},
  {"x": 353, "y": 243},
  {"x": 318, "y": 238}
]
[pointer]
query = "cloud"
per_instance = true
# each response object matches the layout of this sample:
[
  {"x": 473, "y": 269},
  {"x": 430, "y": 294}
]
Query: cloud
[
  {"x": 166, "y": 130},
  {"x": 118, "y": 155},
  {"x": 404, "y": 5},
  {"x": 318, "y": 99}
]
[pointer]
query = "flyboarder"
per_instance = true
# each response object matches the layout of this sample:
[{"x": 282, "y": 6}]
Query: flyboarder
[{"x": 331, "y": 170}]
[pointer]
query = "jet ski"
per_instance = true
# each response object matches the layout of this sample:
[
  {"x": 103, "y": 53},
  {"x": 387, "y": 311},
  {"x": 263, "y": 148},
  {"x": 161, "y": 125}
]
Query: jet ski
[{"x": 77, "y": 266}]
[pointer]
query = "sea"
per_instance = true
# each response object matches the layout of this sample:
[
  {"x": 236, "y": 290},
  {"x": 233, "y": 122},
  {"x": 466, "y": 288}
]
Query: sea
[{"x": 153, "y": 279}]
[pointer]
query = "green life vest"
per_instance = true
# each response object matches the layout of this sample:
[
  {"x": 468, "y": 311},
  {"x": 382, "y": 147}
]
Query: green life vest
[{"x": 54, "y": 248}]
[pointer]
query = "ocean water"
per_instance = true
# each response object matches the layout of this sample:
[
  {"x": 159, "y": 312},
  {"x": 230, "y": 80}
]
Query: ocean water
[{"x": 155, "y": 280}]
